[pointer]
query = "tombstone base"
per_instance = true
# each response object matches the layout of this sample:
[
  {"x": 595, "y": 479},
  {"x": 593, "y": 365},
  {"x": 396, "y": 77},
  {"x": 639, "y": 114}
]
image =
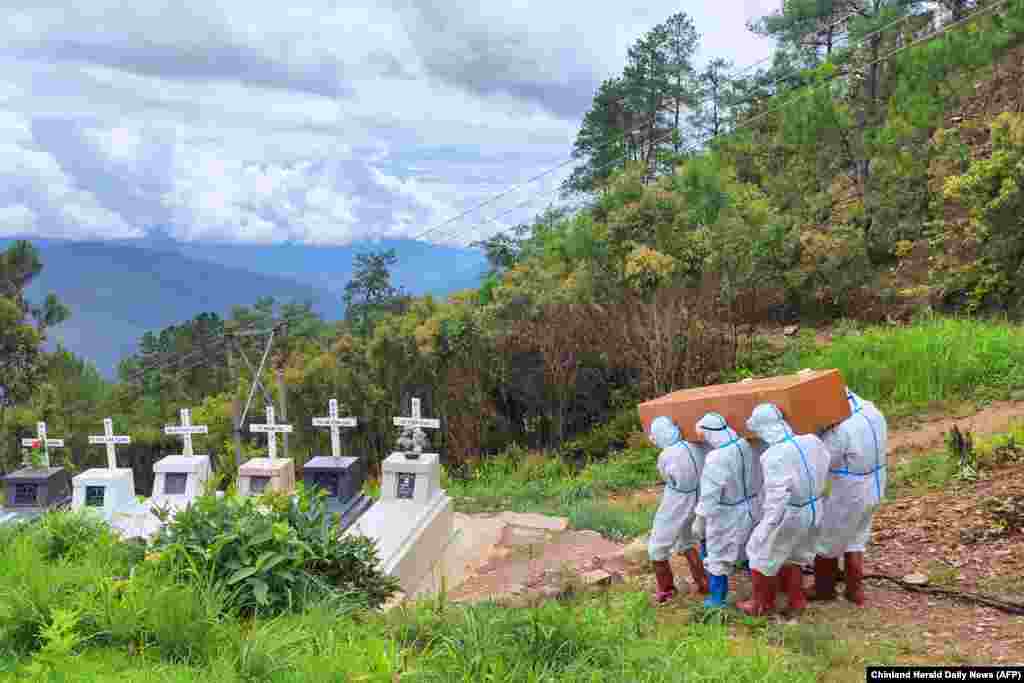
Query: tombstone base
[
  {"x": 30, "y": 489},
  {"x": 261, "y": 475},
  {"x": 351, "y": 510},
  {"x": 180, "y": 479},
  {"x": 340, "y": 478},
  {"x": 105, "y": 490},
  {"x": 411, "y": 537}
]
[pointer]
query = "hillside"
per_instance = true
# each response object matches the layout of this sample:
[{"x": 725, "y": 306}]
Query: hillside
[{"x": 116, "y": 293}]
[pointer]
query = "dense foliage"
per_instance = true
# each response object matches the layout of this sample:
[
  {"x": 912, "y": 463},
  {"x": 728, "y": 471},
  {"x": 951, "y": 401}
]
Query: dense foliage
[
  {"x": 273, "y": 554},
  {"x": 871, "y": 170}
]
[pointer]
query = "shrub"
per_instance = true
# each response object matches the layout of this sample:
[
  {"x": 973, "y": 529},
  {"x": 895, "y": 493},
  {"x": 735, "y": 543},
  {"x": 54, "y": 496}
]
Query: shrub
[
  {"x": 274, "y": 554},
  {"x": 71, "y": 535}
]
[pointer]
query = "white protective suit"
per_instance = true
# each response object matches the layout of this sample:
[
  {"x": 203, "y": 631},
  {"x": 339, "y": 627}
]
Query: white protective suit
[
  {"x": 795, "y": 475},
  {"x": 858, "y": 472},
  {"x": 730, "y": 494},
  {"x": 680, "y": 465}
]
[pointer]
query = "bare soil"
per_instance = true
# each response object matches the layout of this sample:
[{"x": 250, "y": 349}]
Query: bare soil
[{"x": 921, "y": 535}]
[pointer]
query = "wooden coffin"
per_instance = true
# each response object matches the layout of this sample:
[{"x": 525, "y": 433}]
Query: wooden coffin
[{"x": 809, "y": 401}]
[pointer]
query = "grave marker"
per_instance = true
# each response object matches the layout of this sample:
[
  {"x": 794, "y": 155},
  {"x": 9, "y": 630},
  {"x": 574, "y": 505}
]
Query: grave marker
[
  {"x": 31, "y": 490},
  {"x": 412, "y": 523},
  {"x": 180, "y": 479},
  {"x": 260, "y": 474},
  {"x": 42, "y": 440},
  {"x": 413, "y": 435},
  {"x": 341, "y": 478},
  {"x": 107, "y": 490}
]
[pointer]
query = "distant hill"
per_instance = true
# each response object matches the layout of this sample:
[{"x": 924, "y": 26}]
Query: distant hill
[
  {"x": 117, "y": 291},
  {"x": 422, "y": 268}
]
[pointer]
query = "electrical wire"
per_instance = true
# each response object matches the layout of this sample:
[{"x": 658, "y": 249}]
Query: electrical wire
[
  {"x": 812, "y": 88},
  {"x": 563, "y": 164}
]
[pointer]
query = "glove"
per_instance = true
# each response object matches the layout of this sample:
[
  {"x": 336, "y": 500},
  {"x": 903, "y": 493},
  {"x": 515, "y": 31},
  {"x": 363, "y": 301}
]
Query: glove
[{"x": 698, "y": 526}]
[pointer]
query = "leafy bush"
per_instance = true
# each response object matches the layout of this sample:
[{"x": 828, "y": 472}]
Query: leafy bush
[
  {"x": 71, "y": 535},
  {"x": 274, "y": 554},
  {"x": 603, "y": 440}
]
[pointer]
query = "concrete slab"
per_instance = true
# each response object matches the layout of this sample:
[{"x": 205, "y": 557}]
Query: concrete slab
[
  {"x": 519, "y": 536},
  {"x": 535, "y": 521},
  {"x": 475, "y": 538}
]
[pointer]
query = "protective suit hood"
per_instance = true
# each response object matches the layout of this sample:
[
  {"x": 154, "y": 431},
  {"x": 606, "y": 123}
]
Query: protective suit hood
[
  {"x": 664, "y": 432},
  {"x": 767, "y": 422},
  {"x": 717, "y": 432}
]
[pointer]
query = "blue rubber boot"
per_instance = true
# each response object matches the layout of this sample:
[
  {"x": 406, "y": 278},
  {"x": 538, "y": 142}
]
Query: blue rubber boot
[{"x": 719, "y": 588}]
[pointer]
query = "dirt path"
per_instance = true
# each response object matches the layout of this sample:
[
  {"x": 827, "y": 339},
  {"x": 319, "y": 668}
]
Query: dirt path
[
  {"x": 930, "y": 432},
  {"x": 948, "y": 536}
]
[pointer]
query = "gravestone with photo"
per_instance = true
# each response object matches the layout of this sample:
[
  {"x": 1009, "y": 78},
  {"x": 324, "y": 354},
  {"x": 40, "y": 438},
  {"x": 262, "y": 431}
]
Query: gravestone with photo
[
  {"x": 340, "y": 478},
  {"x": 412, "y": 523},
  {"x": 38, "y": 486},
  {"x": 261, "y": 475}
]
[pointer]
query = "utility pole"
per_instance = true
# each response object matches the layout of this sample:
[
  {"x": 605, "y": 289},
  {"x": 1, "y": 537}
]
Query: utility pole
[
  {"x": 281, "y": 390},
  {"x": 236, "y": 405}
]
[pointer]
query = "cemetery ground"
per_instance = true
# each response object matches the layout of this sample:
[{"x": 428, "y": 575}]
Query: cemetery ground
[{"x": 71, "y": 607}]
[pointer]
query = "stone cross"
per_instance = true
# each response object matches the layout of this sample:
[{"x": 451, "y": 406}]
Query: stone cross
[
  {"x": 186, "y": 430},
  {"x": 335, "y": 424},
  {"x": 271, "y": 429},
  {"x": 417, "y": 422},
  {"x": 109, "y": 440},
  {"x": 44, "y": 442}
]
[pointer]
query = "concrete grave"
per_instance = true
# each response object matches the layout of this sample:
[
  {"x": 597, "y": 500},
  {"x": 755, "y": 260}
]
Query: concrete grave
[
  {"x": 271, "y": 473},
  {"x": 412, "y": 523},
  {"x": 180, "y": 478},
  {"x": 340, "y": 478},
  {"x": 32, "y": 490},
  {"x": 106, "y": 490}
]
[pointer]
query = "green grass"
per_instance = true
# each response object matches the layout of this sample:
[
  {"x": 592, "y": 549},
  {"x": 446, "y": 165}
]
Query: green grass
[
  {"x": 594, "y": 637},
  {"x": 523, "y": 482},
  {"x": 934, "y": 361},
  {"x": 940, "y": 469},
  {"x": 612, "y": 521}
]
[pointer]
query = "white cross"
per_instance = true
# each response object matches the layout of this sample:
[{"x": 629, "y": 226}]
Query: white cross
[
  {"x": 416, "y": 420},
  {"x": 108, "y": 439},
  {"x": 186, "y": 430},
  {"x": 44, "y": 442},
  {"x": 271, "y": 429},
  {"x": 335, "y": 424}
]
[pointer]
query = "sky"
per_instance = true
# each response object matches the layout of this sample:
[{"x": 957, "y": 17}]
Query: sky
[{"x": 318, "y": 122}]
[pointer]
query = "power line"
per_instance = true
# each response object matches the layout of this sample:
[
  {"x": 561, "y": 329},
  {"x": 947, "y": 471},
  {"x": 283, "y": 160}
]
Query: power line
[
  {"x": 571, "y": 159},
  {"x": 811, "y": 89},
  {"x": 211, "y": 341}
]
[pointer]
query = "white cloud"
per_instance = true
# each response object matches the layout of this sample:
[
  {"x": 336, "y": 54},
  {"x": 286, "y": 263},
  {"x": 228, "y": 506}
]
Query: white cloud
[
  {"x": 318, "y": 121},
  {"x": 16, "y": 219}
]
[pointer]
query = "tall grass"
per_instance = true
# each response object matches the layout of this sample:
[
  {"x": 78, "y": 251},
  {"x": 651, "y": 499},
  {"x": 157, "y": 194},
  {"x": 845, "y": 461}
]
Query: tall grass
[
  {"x": 525, "y": 482},
  {"x": 593, "y": 638},
  {"x": 935, "y": 360}
]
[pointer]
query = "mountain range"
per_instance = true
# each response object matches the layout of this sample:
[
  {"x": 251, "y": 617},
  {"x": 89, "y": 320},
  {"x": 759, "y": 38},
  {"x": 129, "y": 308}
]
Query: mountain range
[{"x": 119, "y": 290}]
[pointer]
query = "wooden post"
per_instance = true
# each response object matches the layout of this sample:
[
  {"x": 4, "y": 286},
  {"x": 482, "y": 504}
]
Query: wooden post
[
  {"x": 284, "y": 406},
  {"x": 236, "y": 405}
]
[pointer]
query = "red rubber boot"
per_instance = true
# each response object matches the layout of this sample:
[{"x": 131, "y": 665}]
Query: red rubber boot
[
  {"x": 793, "y": 583},
  {"x": 763, "y": 600},
  {"x": 825, "y": 570},
  {"x": 666, "y": 582},
  {"x": 854, "y": 578},
  {"x": 700, "y": 577}
]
